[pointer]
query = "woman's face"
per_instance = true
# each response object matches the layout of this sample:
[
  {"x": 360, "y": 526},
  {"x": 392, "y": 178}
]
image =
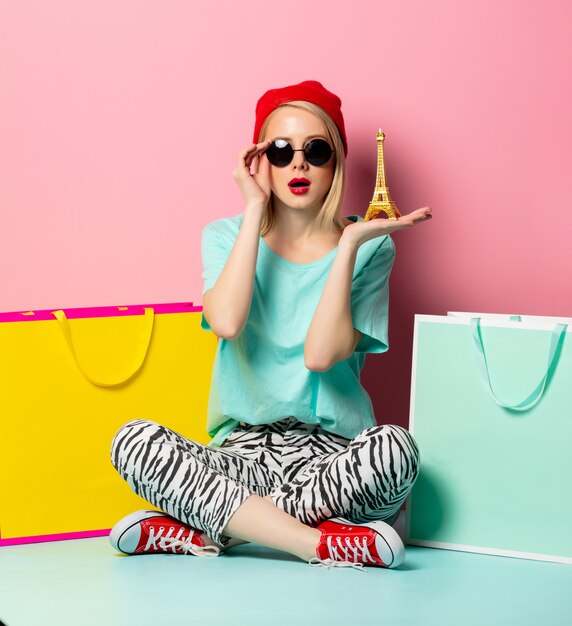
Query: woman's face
[{"x": 298, "y": 126}]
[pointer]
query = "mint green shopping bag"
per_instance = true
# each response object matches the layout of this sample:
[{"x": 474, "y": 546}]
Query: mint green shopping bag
[{"x": 491, "y": 411}]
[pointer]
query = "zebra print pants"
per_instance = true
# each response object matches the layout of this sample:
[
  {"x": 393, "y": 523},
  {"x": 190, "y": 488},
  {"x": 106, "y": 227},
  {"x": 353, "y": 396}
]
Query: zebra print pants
[{"x": 310, "y": 473}]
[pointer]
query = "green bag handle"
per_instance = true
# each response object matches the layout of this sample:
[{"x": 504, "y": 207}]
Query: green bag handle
[
  {"x": 140, "y": 351},
  {"x": 556, "y": 340}
]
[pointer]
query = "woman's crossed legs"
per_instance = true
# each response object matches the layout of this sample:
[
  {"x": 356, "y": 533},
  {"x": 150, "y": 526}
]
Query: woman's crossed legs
[{"x": 236, "y": 495}]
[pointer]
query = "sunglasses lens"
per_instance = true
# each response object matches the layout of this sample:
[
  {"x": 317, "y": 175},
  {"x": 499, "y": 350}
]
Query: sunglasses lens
[
  {"x": 279, "y": 153},
  {"x": 318, "y": 152}
]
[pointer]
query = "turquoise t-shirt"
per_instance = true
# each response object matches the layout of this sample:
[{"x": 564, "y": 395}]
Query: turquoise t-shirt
[{"x": 260, "y": 377}]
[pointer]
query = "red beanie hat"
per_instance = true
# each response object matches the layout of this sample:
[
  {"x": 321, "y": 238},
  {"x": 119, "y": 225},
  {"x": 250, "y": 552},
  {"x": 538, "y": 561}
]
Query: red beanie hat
[{"x": 309, "y": 90}]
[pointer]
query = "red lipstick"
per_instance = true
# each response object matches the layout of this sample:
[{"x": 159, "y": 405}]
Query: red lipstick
[{"x": 299, "y": 186}]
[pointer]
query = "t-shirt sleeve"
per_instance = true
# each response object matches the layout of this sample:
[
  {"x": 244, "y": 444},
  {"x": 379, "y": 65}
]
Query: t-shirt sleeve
[
  {"x": 370, "y": 299},
  {"x": 214, "y": 253}
]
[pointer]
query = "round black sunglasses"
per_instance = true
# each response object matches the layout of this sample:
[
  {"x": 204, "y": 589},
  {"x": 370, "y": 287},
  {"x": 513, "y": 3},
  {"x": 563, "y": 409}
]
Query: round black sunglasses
[{"x": 317, "y": 152}]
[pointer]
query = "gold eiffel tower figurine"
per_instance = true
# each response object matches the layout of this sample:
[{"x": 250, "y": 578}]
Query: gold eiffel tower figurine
[{"x": 381, "y": 200}]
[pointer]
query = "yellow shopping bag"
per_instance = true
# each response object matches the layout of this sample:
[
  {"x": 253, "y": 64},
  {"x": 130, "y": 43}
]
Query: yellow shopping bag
[{"x": 68, "y": 381}]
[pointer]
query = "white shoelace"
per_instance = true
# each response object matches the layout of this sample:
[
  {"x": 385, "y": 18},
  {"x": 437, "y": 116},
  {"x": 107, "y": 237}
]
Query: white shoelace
[
  {"x": 315, "y": 561},
  {"x": 345, "y": 556},
  {"x": 158, "y": 541}
]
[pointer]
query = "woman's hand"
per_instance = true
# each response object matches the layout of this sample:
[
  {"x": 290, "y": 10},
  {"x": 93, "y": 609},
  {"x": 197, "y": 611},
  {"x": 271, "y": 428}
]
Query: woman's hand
[
  {"x": 360, "y": 232},
  {"x": 254, "y": 187}
]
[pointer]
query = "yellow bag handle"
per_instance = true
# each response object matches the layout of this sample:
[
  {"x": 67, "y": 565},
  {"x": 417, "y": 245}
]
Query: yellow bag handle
[{"x": 140, "y": 353}]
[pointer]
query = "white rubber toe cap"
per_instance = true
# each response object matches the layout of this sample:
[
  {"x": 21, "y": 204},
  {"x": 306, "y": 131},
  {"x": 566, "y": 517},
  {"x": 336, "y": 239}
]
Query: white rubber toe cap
[{"x": 125, "y": 535}]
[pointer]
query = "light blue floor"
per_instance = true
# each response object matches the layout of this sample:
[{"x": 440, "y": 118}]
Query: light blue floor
[{"x": 84, "y": 583}]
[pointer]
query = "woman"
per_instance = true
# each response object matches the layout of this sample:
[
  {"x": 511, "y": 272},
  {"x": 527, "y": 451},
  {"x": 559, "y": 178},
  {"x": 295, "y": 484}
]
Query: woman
[{"x": 297, "y": 295}]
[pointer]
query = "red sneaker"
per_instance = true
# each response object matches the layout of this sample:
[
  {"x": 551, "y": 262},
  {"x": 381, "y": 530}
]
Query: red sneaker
[
  {"x": 145, "y": 532},
  {"x": 355, "y": 545}
]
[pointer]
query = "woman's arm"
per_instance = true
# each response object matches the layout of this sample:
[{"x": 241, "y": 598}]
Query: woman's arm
[
  {"x": 226, "y": 306},
  {"x": 331, "y": 336}
]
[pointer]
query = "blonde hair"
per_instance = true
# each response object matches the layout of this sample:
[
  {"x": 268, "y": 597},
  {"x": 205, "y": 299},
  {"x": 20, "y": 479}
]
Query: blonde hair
[{"x": 330, "y": 214}]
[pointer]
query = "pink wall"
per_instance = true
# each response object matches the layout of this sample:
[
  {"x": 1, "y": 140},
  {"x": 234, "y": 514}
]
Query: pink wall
[{"x": 120, "y": 124}]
